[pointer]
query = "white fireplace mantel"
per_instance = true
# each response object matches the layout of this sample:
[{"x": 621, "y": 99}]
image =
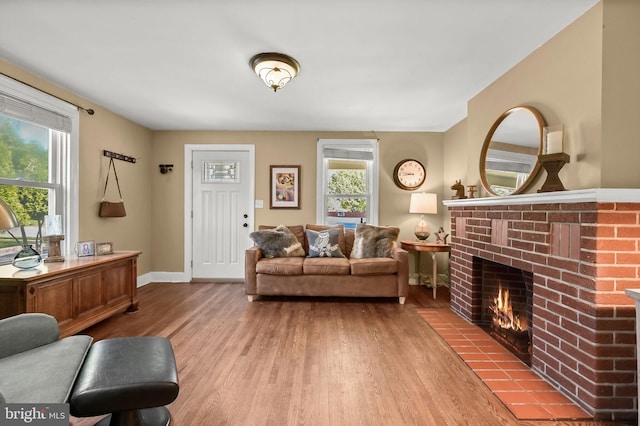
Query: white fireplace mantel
[{"x": 599, "y": 195}]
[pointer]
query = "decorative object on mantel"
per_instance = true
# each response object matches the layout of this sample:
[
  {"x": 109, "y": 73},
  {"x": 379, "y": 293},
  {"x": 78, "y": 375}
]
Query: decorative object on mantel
[
  {"x": 552, "y": 137},
  {"x": 423, "y": 203},
  {"x": 552, "y": 163},
  {"x": 53, "y": 235},
  {"x": 28, "y": 257},
  {"x": 275, "y": 69},
  {"x": 472, "y": 191},
  {"x": 459, "y": 188},
  {"x": 441, "y": 236}
]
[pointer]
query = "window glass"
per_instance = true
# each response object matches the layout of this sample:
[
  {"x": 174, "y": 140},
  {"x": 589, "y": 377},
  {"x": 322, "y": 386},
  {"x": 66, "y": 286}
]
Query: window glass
[
  {"x": 347, "y": 192},
  {"x": 24, "y": 149}
]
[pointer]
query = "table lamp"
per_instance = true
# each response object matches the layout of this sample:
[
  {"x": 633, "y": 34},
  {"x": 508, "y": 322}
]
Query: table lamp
[
  {"x": 28, "y": 257},
  {"x": 423, "y": 203}
]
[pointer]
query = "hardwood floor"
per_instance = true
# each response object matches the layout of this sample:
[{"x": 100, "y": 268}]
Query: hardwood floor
[{"x": 308, "y": 361}]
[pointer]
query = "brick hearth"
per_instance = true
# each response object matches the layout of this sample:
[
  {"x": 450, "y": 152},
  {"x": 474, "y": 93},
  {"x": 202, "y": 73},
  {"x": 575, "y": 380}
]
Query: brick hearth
[{"x": 583, "y": 249}]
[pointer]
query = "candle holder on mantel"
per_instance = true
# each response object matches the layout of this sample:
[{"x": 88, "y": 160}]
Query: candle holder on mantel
[{"x": 552, "y": 163}]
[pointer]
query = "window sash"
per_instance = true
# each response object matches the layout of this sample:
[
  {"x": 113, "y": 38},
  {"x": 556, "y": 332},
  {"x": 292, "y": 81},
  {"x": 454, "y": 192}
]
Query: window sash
[{"x": 347, "y": 149}]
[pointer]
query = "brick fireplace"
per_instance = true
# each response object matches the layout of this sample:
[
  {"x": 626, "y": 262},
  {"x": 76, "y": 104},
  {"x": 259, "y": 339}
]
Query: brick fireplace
[{"x": 582, "y": 249}]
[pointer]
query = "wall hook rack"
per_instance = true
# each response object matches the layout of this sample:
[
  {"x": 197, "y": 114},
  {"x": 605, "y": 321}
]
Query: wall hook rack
[{"x": 117, "y": 156}]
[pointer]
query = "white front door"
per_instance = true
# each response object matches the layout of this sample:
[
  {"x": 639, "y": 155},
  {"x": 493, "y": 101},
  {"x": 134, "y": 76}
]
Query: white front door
[{"x": 222, "y": 212}]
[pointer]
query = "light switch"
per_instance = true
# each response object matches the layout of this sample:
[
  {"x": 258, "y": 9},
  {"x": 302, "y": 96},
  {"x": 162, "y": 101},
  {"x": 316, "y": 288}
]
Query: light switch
[{"x": 259, "y": 204}]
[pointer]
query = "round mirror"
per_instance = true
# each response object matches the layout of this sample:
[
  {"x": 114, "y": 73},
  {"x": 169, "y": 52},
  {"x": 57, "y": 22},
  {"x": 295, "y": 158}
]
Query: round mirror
[{"x": 509, "y": 157}]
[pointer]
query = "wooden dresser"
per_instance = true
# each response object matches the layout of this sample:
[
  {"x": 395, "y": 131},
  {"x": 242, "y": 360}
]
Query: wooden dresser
[{"x": 77, "y": 292}]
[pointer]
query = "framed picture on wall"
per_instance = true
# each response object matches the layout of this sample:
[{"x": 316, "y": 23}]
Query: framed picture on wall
[{"x": 285, "y": 187}]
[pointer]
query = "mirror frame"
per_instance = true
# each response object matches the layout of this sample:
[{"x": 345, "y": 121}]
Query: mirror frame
[{"x": 487, "y": 141}]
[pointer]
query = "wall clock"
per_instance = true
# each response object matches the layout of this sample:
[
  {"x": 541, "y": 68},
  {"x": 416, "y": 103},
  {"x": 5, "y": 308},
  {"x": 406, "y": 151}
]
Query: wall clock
[{"x": 409, "y": 174}]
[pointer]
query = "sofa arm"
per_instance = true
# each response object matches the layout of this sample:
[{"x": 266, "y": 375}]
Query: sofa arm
[
  {"x": 23, "y": 332},
  {"x": 402, "y": 257},
  {"x": 251, "y": 257}
]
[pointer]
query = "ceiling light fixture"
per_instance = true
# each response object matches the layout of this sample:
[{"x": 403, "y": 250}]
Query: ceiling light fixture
[{"x": 275, "y": 69}]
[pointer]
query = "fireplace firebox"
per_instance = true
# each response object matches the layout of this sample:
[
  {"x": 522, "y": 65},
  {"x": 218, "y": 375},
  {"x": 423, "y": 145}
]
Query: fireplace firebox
[{"x": 507, "y": 295}]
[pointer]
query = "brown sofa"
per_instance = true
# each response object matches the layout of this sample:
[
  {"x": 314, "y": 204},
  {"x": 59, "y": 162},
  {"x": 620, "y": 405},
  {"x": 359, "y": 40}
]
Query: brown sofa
[{"x": 326, "y": 276}]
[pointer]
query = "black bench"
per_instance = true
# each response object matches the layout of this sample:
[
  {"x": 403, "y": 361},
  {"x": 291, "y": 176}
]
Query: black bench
[{"x": 130, "y": 377}]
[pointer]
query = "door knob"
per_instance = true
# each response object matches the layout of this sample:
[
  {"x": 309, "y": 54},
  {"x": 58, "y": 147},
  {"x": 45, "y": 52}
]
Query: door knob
[
  {"x": 245, "y": 215},
  {"x": 245, "y": 225}
]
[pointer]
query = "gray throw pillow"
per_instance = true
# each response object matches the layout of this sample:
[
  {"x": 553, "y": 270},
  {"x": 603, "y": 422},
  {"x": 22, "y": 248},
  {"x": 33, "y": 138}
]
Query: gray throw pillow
[
  {"x": 374, "y": 241},
  {"x": 278, "y": 242},
  {"x": 325, "y": 243}
]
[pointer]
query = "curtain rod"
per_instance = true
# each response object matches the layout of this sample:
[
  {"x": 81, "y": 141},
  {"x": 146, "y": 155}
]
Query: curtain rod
[{"x": 88, "y": 111}]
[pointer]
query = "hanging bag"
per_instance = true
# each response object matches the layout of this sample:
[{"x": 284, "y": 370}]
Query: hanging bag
[{"x": 107, "y": 208}]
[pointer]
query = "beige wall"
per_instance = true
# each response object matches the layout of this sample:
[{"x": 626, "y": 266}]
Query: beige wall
[
  {"x": 563, "y": 80},
  {"x": 106, "y": 130},
  {"x": 283, "y": 148},
  {"x": 621, "y": 94}
]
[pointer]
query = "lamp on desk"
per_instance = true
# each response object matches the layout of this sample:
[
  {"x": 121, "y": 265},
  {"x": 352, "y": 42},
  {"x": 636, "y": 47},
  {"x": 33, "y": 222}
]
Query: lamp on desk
[
  {"x": 28, "y": 257},
  {"x": 423, "y": 203}
]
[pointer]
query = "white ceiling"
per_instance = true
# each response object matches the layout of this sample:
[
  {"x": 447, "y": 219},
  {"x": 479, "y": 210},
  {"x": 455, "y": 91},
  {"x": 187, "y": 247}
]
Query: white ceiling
[{"x": 382, "y": 65}]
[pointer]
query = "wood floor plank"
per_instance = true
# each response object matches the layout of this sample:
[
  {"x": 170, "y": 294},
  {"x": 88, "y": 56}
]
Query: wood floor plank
[{"x": 308, "y": 361}]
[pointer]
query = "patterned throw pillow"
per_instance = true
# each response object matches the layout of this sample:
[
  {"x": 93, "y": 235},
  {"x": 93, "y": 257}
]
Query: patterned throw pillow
[
  {"x": 374, "y": 241},
  {"x": 325, "y": 243},
  {"x": 278, "y": 242}
]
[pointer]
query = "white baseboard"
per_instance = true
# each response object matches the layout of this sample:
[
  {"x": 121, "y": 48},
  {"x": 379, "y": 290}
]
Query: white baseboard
[{"x": 162, "y": 277}]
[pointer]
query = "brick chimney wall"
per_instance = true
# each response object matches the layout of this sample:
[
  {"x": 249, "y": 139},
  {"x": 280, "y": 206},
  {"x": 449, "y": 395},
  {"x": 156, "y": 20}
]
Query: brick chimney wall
[{"x": 583, "y": 255}]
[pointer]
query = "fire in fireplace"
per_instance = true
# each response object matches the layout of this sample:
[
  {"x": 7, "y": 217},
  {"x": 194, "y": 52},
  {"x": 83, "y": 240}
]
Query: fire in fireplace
[
  {"x": 510, "y": 327},
  {"x": 507, "y": 294}
]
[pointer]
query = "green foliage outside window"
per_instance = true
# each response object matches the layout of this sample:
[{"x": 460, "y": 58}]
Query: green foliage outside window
[
  {"x": 27, "y": 160},
  {"x": 349, "y": 181}
]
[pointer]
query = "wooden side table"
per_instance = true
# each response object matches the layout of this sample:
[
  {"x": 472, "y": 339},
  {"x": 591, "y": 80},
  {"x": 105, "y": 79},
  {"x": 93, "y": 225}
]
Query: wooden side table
[{"x": 418, "y": 247}]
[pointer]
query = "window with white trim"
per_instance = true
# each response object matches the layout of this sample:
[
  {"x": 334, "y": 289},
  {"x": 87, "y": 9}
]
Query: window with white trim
[
  {"x": 347, "y": 182},
  {"x": 38, "y": 163}
]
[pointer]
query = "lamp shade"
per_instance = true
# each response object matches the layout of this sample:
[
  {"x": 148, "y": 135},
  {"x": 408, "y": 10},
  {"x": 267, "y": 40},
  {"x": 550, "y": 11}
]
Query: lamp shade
[
  {"x": 8, "y": 219},
  {"x": 275, "y": 69},
  {"x": 423, "y": 203}
]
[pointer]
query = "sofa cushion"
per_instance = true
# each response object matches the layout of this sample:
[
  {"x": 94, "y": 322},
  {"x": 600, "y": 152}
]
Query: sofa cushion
[
  {"x": 280, "y": 266},
  {"x": 278, "y": 242},
  {"x": 326, "y": 266},
  {"x": 374, "y": 241},
  {"x": 45, "y": 374},
  {"x": 324, "y": 243},
  {"x": 297, "y": 230},
  {"x": 373, "y": 266},
  {"x": 325, "y": 227}
]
